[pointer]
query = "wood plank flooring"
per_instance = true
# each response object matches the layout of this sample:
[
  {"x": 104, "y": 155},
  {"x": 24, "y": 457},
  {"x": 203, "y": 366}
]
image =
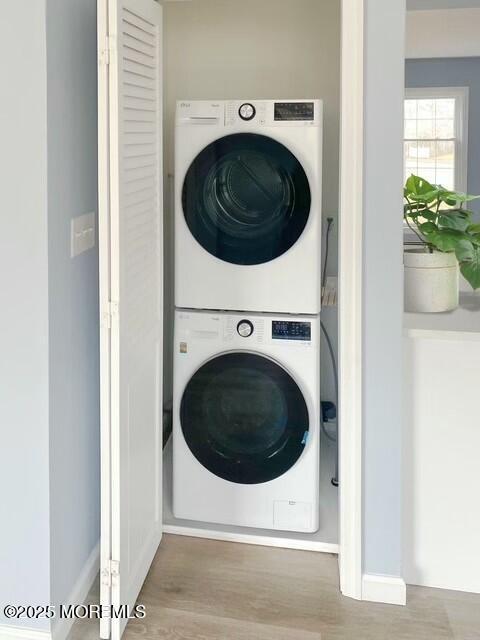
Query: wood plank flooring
[{"x": 209, "y": 590}]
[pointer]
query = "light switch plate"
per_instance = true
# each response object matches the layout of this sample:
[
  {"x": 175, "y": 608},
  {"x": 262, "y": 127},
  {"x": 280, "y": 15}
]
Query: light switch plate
[{"x": 82, "y": 234}]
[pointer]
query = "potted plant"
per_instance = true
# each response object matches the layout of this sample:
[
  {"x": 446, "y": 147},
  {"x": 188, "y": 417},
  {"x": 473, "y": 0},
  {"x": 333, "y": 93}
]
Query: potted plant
[{"x": 450, "y": 239}]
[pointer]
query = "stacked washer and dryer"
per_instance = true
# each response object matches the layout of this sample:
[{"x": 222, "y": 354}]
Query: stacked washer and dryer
[{"x": 246, "y": 415}]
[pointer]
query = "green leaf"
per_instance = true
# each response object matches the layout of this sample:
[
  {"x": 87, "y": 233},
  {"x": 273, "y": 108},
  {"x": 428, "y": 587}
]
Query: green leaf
[
  {"x": 474, "y": 228},
  {"x": 464, "y": 250},
  {"x": 456, "y": 219},
  {"x": 428, "y": 215},
  {"x": 465, "y": 197},
  {"x": 417, "y": 186},
  {"x": 468, "y": 256},
  {"x": 453, "y": 198},
  {"x": 428, "y": 227},
  {"x": 425, "y": 199},
  {"x": 446, "y": 240}
]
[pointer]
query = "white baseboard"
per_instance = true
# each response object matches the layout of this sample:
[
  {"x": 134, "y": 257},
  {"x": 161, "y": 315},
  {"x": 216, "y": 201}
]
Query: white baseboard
[
  {"x": 78, "y": 595},
  {"x": 386, "y": 589},
  {"x": 18, "y": 633}
]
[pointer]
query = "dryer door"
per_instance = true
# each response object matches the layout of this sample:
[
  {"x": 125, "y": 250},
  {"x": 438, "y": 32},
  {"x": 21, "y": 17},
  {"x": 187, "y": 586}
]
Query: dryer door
[
  {"x": 244, "y": 418},
  {"x": 246, "y": 199}
]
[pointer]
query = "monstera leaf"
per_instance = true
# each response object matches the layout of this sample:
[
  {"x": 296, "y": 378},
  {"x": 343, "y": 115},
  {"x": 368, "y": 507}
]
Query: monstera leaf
[
  {"x": 457, "y": 219},
  {"x": 468, "y": 256}
]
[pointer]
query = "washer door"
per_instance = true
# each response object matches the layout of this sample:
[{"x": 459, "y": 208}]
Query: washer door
[
  {"x": 246, "y": 199},
  {"x": 244, "y": 418}
]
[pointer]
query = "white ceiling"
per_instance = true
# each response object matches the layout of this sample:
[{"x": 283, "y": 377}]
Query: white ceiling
[{"x": 415, "y": 5}]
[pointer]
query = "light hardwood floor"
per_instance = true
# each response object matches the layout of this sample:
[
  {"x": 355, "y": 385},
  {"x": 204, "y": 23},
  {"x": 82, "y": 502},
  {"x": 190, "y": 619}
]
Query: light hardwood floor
[{"x": 208, "y": 590}]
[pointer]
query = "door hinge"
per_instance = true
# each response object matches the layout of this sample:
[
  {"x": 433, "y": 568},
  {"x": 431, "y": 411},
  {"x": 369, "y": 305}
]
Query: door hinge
[
  {"x": 105, "y": 53},
  {"x": 110, "y": 573},
  {"x": 110, "y": 312}
]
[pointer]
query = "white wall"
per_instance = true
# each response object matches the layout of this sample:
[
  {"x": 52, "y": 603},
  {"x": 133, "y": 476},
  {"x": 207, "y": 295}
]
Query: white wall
[
  {"x": 24, "y": 530},
  {"x": 271, "y": 49},
  {"x": 442, "y": 440},
  {"x": 418, "y": 5},
  {"x": 73, "y": 292},
  {"x": 450, "y": 33}
]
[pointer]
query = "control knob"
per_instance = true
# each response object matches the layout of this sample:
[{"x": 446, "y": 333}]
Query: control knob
[
  {"x": 245, "y": 328},
  {"x": 247, "y": 111}
]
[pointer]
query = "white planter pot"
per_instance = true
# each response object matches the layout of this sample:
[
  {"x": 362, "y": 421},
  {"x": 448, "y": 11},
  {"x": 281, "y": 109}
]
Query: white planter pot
[{"x": 431, "y": 281}]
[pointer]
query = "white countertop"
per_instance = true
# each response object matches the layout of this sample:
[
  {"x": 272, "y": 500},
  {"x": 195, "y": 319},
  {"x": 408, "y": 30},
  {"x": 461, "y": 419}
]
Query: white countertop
[{"x": 463, "y": 320}]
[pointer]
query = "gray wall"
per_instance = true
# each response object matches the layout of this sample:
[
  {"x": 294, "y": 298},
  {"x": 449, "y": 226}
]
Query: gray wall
[
  {"x": 24, "y": 533},
  {"x": 49, "y": 406},
  {"x": 383, "y": 288},
  {"x": 455, "y": 72},
  {"x": 73, "y": 292}
]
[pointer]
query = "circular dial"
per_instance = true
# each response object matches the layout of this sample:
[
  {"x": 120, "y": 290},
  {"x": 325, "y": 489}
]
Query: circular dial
[
  {"x": 247, "y": 111},
  {"x": 245, "y": 328}
]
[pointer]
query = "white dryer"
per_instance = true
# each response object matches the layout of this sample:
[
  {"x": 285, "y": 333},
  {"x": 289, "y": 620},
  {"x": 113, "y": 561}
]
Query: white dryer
[
  {"x": 246, "y": 420},
  {"x": 248, "y": 205}
]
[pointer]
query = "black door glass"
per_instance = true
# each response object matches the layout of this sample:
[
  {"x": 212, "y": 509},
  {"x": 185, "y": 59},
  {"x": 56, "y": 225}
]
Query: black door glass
[
  {"x": 246, "y": 199},
  {"x": 244, "y": 418}
]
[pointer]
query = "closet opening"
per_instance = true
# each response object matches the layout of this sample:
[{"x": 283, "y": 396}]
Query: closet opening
[{"x": 238, "y": 81}]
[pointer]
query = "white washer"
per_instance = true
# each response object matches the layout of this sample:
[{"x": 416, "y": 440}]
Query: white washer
[
  {"x": 246, "y": 420},
  {"x": 248, "y": 205}
]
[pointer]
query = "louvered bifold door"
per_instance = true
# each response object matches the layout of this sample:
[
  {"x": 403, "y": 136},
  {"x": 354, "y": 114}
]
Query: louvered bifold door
[{"x": 135, "y": 307}]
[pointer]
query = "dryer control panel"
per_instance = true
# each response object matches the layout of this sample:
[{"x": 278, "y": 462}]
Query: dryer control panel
[
  {"x": 289, "y": 330},
  {"x": 273, "y": 113}
]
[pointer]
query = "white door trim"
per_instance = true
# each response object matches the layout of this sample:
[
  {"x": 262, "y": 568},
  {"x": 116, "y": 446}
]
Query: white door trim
[
  {"x": 105, "y": 296},
  {"x": 350, "y": 297}
]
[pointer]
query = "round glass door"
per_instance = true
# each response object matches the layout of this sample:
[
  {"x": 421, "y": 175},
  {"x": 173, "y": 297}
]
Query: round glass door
[
  {"x": 244, "y": 418},
  {"x": 246, "y": 199}
]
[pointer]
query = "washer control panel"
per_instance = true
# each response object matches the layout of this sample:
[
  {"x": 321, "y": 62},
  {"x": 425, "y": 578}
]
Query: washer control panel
[
  {"x": 289, "y": 330},
  {"x": 245, "y": 328}
]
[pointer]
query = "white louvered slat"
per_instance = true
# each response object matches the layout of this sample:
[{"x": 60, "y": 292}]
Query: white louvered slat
[
  {"x": 138, "y": 162},
  {"x": 140, "y": 137},
  {"x": 131, "y": 18},
  {"x": 131, "y": 55},
  {"x": 139, "y": 69},
  {"x": 138, "y": 81},
  {"x": 132, "y": 41},
  {"x": 138, "y": 104},
  {"x": 137, "y": 126},
  {"x": 134, "y": 91},
  {"x": 143, "y": 149}
]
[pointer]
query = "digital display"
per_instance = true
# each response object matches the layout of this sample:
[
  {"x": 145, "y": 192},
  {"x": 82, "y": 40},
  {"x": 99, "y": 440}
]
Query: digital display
[
  {"x": 285, "y": 111},
  {"x": 286, "y": 330}
]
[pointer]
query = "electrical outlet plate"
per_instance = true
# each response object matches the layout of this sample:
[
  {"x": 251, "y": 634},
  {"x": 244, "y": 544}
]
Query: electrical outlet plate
[
  {"x": 82, "y": 234},
  {"x": 329, "y": 292}
]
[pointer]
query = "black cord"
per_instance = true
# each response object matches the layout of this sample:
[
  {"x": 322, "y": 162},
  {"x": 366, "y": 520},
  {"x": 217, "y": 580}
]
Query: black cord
[
  {"x": 332, "y": 355},
  {"x": 327, "y": 238}
]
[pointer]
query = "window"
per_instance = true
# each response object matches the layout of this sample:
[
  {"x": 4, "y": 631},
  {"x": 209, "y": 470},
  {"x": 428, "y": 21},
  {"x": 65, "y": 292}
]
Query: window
[{"x": 435, "y": 137}]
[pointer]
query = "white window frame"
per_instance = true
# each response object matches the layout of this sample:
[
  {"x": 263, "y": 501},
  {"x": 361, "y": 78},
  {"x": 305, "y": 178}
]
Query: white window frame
[{"x": 460, "y": 94}]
